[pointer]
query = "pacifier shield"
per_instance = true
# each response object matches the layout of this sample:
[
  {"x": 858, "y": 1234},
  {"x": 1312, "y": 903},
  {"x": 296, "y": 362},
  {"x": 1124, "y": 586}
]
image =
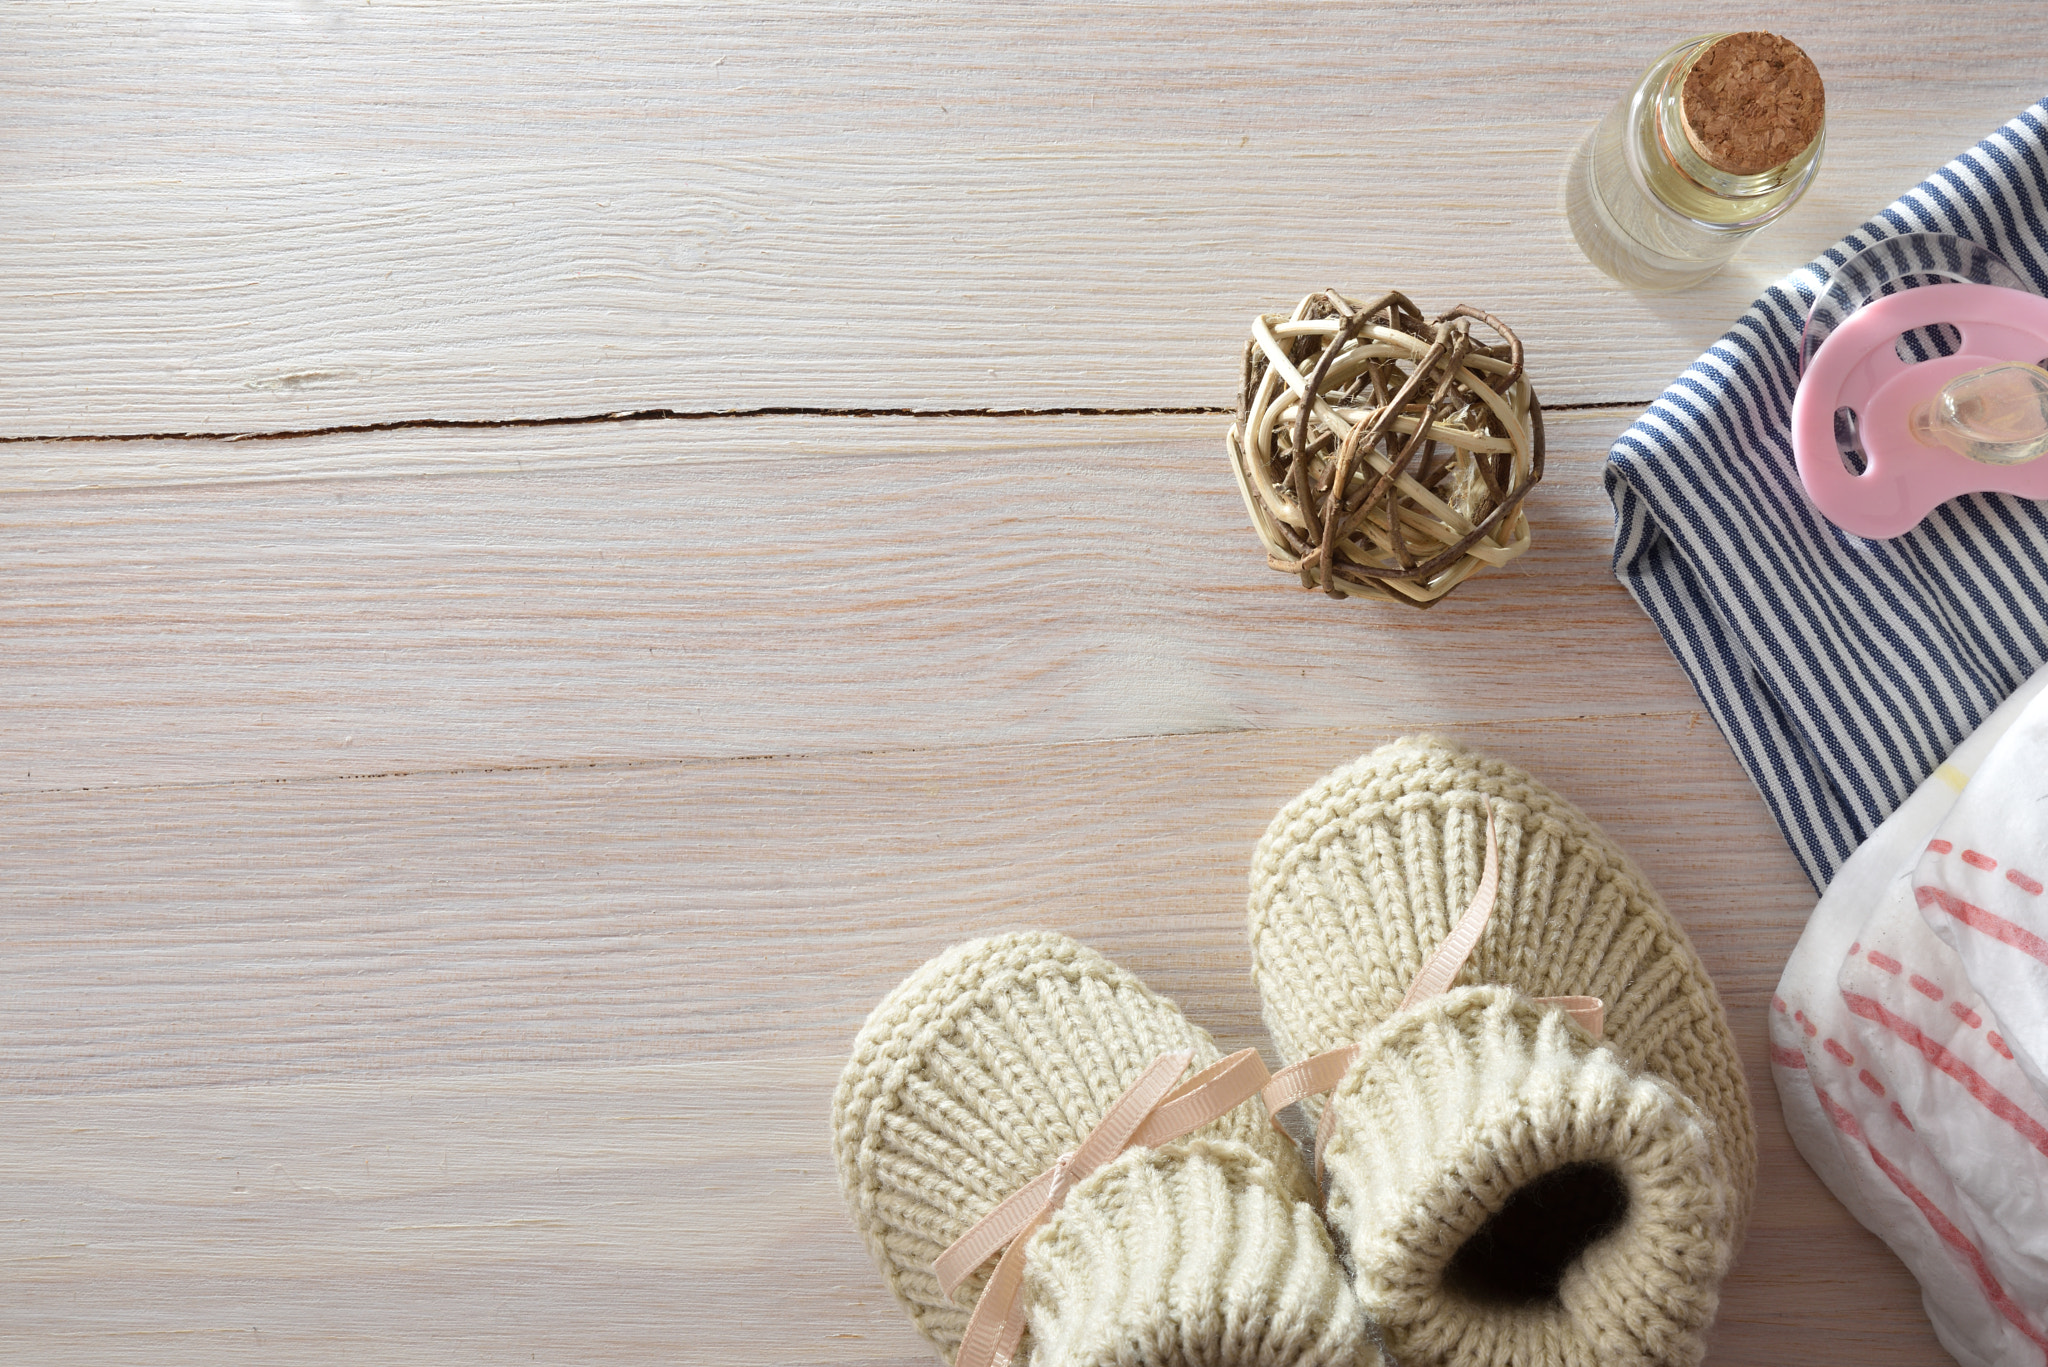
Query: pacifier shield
[{"x": 1881, "y": 440}]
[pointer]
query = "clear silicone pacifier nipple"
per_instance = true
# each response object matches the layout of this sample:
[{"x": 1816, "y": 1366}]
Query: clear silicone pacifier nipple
[{"x": 1997, "y": 415}]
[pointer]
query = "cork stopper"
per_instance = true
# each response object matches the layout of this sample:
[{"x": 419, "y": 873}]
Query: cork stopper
[{"x": 1752, "y": 101}]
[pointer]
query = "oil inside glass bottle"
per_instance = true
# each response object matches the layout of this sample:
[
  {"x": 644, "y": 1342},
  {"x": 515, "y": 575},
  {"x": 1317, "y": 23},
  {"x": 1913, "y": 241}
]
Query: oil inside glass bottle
[{"x": 1649, "y": 208}]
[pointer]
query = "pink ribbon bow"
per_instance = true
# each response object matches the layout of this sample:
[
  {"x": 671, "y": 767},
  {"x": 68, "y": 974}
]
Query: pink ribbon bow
[
  {"x": 1324, "y": 1071},
  {"x": 1151, "y": 1112}
]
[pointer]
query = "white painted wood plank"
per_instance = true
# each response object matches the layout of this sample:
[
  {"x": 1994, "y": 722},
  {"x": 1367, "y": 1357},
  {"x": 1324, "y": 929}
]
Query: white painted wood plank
[
  {"x": 270, "y": 217},
  {"x": 597, "y": 1216},
  {"x": 444, "y": 1067},
  {"x": 599, "y": 915},
  {"x": 900, "y": 583}
]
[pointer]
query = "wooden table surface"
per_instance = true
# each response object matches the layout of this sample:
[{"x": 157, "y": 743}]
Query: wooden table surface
[{"x": 550, "y": 553}]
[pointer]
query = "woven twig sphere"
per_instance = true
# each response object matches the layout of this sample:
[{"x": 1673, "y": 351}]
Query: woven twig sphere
[{"x": 1379, "y": 453}]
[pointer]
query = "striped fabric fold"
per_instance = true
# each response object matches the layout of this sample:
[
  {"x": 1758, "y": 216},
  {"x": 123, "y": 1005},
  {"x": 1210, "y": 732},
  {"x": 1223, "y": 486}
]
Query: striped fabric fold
[{"x": 1842, "y": 671}]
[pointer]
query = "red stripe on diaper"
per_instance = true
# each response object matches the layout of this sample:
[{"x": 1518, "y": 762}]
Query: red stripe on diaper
[
  {"x": 1991, "y": 1037},
  {"x": 1787, "y": 1058},
  {"x": 1839, "y": 1114},
  {"x": 1925, "y": 988},
  {"x": 2030, "y": 886},
  {"x": 1986, "y": 922},
  {"x": 1965, "y": 1015},
  {"x": 1900, "y": 1116},
  {"x": 1993, "y": 1100},
  {"x": 1883, "y": 961},
  {"x": 1941, "y": 1224},
  {"x": 1872, "y": 1083},
  {"x": 1979, "y": 861},
  {"x": 1842, "y": 1056},
  {"x": 1939, "y": 846}
]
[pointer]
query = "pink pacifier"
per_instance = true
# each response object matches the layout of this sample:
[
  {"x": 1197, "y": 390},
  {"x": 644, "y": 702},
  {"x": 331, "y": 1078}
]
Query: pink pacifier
[{"x": 1882, "y": 440}]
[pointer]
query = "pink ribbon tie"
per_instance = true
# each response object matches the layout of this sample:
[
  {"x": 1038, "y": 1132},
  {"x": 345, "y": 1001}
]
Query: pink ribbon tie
[
  {"x": 1152, "y": 1111},
  {"x": 1322, "y": 1072}
]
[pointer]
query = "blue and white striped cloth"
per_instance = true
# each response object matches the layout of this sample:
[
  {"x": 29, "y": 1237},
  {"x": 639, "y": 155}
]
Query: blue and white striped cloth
[{"x": 1841, "y": 670}]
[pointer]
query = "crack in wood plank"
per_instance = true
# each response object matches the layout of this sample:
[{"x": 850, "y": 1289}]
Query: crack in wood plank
[{"x": 683, "y": 415}]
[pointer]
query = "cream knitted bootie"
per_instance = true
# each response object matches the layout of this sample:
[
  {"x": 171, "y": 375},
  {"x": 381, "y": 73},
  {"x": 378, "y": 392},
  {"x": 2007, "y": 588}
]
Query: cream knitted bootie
[
  {"x": 1507, "y": 1190},
  {"x": 993, "y": 1064}
]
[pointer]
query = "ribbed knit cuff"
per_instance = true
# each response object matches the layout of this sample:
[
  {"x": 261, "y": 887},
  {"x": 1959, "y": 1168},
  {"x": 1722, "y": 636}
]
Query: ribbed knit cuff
[
  {"x": 1197, "y": 1253},
  {"x": 1510, "y": 1194}
]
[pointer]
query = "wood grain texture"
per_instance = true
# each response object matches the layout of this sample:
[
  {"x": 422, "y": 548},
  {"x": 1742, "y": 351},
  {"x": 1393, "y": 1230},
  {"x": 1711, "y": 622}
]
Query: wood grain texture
[
  {"x": 268, "y": 217},
  {"x": 425, "y": 1068},
  {"x": 441, "y": 870},
  {"x": 621, "y": 914},
  {"x": 608, "y": 1216},
  {"x": 891, "y": 583}
]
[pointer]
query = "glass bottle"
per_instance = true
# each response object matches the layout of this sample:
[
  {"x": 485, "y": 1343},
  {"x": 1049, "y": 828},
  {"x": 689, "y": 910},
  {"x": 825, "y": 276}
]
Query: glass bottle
[{"x": 1644, "y": 201}]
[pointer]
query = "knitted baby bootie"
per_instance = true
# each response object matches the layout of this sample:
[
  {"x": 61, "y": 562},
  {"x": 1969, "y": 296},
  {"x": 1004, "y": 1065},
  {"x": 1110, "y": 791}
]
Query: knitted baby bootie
[
  {"x": 1007, "y": 1059},
  {"x": 1506, "y": 1189}
]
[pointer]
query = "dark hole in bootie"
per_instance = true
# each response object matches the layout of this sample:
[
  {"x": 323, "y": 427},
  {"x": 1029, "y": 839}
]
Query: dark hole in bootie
[{"x": 1520, "y": 1255}]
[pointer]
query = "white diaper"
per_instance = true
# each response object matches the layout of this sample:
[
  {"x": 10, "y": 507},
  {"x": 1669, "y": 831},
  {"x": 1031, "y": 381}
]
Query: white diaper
[{"x": 1910, "y": 1028}]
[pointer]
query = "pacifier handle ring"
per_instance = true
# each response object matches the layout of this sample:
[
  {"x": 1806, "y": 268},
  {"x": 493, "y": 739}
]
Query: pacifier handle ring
[{"x": 1859, "y": 281}]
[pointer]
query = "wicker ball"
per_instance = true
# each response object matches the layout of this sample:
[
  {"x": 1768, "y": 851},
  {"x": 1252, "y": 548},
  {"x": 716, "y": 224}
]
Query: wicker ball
[{"x": 1406, "y": 473}]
